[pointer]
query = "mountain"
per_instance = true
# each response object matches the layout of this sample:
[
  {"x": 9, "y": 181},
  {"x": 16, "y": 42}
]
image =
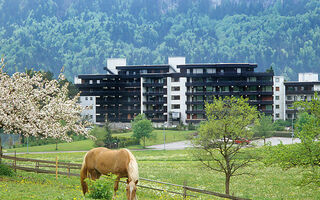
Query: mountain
[{"x": 80, "y": 35}]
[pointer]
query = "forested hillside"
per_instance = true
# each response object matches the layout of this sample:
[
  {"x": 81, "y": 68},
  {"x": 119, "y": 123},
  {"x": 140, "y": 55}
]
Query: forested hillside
[{"x": 81, "y": 34}]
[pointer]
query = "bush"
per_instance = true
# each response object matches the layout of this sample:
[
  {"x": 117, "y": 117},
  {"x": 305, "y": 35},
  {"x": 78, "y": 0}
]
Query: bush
[
  {"x": 125, "y": 141},
  {"x": 191, "y": 127},
  {"x": 5, "y": 170},
  {"x": 100, "y": 188},
  {"x": 282, "y": 134}
]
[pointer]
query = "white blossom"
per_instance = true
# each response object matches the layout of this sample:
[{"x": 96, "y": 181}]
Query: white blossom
[{"x": 34, "y": 106}]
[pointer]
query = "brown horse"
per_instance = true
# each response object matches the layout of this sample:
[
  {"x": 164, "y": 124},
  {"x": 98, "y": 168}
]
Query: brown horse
[{"x": 99, "y": 161}]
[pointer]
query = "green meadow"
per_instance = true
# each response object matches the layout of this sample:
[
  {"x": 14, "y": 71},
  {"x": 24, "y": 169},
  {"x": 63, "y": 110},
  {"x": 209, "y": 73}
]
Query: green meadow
[{"x": 266, "y": 182}]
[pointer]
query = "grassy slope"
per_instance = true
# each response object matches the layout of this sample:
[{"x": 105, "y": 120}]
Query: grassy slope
[
  {"x": 167, "y": 166},
  {"x": 157, "y": 138}
]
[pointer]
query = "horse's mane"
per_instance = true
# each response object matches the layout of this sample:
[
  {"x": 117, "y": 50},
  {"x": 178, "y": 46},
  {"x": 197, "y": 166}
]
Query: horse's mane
[{"x": 133, "y": 173}]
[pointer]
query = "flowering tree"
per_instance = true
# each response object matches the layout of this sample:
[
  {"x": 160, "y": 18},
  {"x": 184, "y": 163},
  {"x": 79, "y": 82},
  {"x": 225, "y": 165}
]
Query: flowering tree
[{"x": 35, "y": 106}]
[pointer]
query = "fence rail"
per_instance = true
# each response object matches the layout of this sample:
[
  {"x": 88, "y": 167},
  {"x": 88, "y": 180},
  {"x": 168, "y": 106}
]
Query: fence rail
[{"x": 58, "y": 165}]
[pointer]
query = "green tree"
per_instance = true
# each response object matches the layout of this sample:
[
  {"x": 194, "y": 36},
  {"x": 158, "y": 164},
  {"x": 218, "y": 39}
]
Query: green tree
[
  {"x": 142, "y": 128},
  {"x": 307, "y": 153},
  {"x": 108, "y": 138},
  {"x": 264, "y": 128},
  {"x": 229, "y": 118}
]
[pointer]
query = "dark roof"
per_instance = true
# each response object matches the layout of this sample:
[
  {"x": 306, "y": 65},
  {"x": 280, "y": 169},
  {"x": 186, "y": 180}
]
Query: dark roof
[
  {"x": 297, "y": 83},
  {"x": 95, "y": 76},
  {"x": 220, "y": 65},
  {"x": 128, "y": 67}
]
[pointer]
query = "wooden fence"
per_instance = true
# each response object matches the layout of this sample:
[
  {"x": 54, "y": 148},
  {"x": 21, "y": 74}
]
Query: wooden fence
[{"x": 67, "y": 167}]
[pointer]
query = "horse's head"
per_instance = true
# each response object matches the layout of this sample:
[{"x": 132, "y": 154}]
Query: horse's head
[{"x": 131, "y": 189}]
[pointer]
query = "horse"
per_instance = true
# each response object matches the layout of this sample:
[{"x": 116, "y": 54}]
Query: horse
[{"x": 102, "y": 161}]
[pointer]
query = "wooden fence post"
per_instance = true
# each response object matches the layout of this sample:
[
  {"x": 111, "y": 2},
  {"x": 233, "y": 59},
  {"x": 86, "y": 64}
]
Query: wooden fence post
[
  {"x": 68, "y": 168},
  {"x": 57, "y": 168},
  {"x": 37, "y": 167},
  {"x": 15, "y": 160},
  {"x": 184, "y": 190}
]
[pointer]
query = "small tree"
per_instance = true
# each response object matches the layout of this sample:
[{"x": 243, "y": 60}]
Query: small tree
[
  {"x": 142, "y": 128},
  {"x": 228, "y": 119},
  {"x": 264, "y": 128},
  {"x": 108, "y": 138}
]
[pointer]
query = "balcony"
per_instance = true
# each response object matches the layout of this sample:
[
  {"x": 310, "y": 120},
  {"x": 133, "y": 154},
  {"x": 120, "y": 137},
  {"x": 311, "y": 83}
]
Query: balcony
[
  {"x": 196, "y": 112},
  {"x": 299, "y": 92},
  {"x": 155, "y": 102},
  {"x": 159, "y": 93},
  {"x": 154, "y": 111},
  {"x": 154, "y": 84},
  {"x": 231, "y": 83},
  {"x": 196, "y": 121}
]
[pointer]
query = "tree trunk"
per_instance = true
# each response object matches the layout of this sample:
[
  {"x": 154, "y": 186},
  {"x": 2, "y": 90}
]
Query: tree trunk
[
  {"x": 56, "y": 145},
  {"x": 227, "y": 183},
  {"x": 144, "y": 142}
]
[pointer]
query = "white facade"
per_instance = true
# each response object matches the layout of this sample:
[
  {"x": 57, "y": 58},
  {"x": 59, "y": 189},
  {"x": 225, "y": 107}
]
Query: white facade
[
  {"x": 176, "y": 90},
  {"x": 88, "y": 103},
  {"x": 308, "y": 77},
  {"x": 174, "y": 61},
  {"x": 279, "y": 103},
  {"x": 112, "y": 63}
]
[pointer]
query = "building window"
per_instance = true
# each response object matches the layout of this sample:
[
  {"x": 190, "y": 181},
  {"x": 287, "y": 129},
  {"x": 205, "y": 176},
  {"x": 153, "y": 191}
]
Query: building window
[
  {"x": 198, "y": 71},
  {"x": 211, "y": 70},
  {"x": 252, "y": 79},
  {"x": 175, "y": 106},
  {"x": 176, "y": 97},
  {"x": 277, "y": 88},
  {"x": 90, "y": 81},
  {"x": 277, "y": 97},
  {"x": 91, "y": 98},
  {"x": 277, "y": 106},
  {"x": 175, "y": 79},
  {"x": 86, "y": 98},
  {"x": 289, "y": 98},
  {"x": 277, "y": 115},
  {"x": 175, "y": 88},
  {"x": 98, "y": 81},
  {"x": 238, "y": 70}
]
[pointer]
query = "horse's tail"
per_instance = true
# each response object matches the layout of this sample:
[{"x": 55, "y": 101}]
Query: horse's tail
[{"x": 84, "y": 175}]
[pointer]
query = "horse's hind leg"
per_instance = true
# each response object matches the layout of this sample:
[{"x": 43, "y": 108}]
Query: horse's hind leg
[{"x": 116, "y": 186}]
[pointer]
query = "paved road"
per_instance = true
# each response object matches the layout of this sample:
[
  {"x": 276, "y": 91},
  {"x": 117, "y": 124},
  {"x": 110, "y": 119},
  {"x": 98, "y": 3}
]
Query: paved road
[
  {"x": 260, "y": 142},
  {"x": 276, "y": 140},
  {"x": 186, "y": 144},
  {"x": 171, "y": 146}
]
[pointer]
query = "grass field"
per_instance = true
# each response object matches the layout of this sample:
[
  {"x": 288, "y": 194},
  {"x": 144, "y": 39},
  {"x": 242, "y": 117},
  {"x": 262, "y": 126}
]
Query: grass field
[
  {"x": 167, "y": 166},
  {"x": 85, "y": 145}
]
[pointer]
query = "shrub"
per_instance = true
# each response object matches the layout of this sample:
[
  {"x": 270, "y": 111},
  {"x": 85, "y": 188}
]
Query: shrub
[
  {"x": 125, "y": 141},
  {"x": 100, "y": 188},
  {"x": 191, "y": 127},
  {"x": 5, "y": 170}
]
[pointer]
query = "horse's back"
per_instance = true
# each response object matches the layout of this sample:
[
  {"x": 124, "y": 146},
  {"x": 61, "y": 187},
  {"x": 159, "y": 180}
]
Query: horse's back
[{"x": 108, "y": 161}]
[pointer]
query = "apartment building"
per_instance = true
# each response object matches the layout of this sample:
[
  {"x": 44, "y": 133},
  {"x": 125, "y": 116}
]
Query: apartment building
[
  {"x": 288, "y": 92},
  {"x": 172, "y": 93}
]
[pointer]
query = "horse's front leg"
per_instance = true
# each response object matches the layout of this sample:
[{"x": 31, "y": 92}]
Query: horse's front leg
[{"x": 116, "y": 186}]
